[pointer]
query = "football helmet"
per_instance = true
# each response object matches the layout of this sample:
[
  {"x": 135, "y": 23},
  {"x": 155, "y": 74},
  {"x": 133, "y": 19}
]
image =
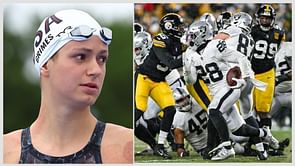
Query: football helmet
[
  {"x": 142, "y": 44},
  {"x": 198, "y": 33},
  {"x": 210, "y": 19},
  {"x": 137, "y": 28},
  {"x": 223, "y": 19},
  {"x": 242, "y": 20},
  {"x": 172, "y": 25},
  {"x": 182, "y": 99},
  {"x": 265, "y": 17}
]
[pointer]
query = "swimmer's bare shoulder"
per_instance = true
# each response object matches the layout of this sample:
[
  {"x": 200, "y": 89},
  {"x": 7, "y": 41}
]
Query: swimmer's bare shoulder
[
  {"x": 12, "y": 146},
  {"x": 117, "y": 144}
]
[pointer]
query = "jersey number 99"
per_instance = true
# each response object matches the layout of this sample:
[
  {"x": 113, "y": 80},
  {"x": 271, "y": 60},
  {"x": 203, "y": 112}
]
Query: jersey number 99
[{"x": 263, "y": 50}]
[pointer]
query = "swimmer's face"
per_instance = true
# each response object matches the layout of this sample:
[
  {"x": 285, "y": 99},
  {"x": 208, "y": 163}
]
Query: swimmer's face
[{"x": 76, "y": 73}]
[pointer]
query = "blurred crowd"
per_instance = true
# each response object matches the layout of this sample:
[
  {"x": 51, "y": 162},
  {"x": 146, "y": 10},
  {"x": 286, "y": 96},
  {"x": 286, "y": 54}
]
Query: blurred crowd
[{"x": 149, "y": 14}]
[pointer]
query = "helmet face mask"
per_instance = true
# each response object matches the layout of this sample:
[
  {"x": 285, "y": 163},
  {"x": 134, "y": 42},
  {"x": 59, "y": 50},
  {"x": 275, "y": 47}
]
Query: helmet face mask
[
  {"x": 265, "y": 21},
  {"x": 265, "y": 17},
  {"x": 210, "y": 19},
  {"x": 142, "y": 43},
  {"x": 243, "y": 21},
  {"x": 198, "y": 33},
  {"x": 172, "y": 25},
  {"x": 223, "y": 19},
  {"x": 182, "y": 99},
  {"x": 137, "y": 28}
]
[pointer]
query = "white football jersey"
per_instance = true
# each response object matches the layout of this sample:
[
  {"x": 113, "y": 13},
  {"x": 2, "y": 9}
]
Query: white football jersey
[
  {"x": 191, "y": 59},
  {"x": 194, "y": 125},
  {"x": 240, "y": 41},
  {"x": 172, "y": 77},
  {"x": 282, "y": 67},
  {"x": 231, "y": 30},
  {"x": 217, "y": 60}
]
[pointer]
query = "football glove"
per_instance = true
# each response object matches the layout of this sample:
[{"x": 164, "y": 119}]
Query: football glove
[{"x": 240, "y": 83}]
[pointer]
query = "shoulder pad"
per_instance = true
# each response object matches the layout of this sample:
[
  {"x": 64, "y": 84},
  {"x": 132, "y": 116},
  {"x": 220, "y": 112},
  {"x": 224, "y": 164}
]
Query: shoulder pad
[
  {"x": 231, "y": 31},
  {"x": 160, "y": 40},
  {"x": 276, "y": 26}
]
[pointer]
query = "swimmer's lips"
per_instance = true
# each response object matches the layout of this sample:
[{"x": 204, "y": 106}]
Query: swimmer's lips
[{"x": 90, "y": 88}]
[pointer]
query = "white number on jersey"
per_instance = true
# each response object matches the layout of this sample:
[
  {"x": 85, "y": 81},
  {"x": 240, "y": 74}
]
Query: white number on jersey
[{"x": 267, "y": 51}]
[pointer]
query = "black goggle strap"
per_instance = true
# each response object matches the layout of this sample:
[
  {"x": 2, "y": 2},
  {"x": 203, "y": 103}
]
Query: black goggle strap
[{"x": 106, "y": 35}]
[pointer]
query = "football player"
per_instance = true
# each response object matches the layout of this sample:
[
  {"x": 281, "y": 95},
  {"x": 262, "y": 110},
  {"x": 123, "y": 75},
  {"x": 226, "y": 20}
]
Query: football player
[
  {"x": 142, "y": 45},
  {"x": 268, "y": 38},
  {"x": 238, "y": 37},
  {"x": 190, "y": 123},
  {"x": 164, "y": 56},
  {"x": 150, "y": 118},
  {"x": 212, "y": 66},
  {"x": 283, "y": 88}
]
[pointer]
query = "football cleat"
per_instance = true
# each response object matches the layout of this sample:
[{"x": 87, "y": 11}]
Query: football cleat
[
  {"x": 262, "y": 155},
  {"x": 273, "y": 142},
  {"x": 223, "y": 153},
  {"x": 159, "y": 150},
  {"x": 145, "y": 152}
]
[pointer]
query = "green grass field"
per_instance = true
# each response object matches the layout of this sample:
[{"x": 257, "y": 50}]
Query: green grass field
[{"x": 195, "y": 158}]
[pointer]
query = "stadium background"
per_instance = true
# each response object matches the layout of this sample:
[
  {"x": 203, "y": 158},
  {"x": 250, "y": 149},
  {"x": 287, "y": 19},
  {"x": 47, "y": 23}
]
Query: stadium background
[
  {"x": 21, "y": 86},
  {"x": 149, "y": 14}
]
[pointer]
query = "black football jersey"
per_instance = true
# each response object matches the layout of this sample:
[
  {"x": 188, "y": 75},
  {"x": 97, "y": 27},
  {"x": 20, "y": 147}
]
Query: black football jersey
[
  {"x": 266, "y": 46},
  {"x": 164, "y": 56}
]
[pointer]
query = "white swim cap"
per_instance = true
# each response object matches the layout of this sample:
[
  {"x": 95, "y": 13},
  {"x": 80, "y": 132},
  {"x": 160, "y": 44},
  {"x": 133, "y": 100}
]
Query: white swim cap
[{"x": 66, "y": 25}]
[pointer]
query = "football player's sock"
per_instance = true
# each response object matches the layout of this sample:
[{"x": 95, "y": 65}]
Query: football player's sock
[
  {"x": 166, "y": 123},
  {"x": 219, "y": 124},
  {"x": 162, "y": 137},
  {"x": 167, "y": 120},
  {"x": 153, "y": 126},
  {"x": 252, "y": 122},
  {"x": 262, "y": 133},
  {"x": 259, "y": 147},
  {"x": 143, "y": 134},
  {"x": 265, "y": 122},
  {"x": 138, "y": 113},
  {"x": 256, "y": 140}
]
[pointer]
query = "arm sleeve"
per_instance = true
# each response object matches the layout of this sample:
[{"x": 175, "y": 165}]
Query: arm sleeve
[
  {"x": 234, "y": 56},
  {"x": 167, "y": 59},
  {"x": 189, "y": 71}
]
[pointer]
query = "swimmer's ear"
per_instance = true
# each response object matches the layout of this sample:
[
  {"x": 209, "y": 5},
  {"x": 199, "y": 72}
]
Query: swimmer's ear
[{"x": 44, "y": 70}]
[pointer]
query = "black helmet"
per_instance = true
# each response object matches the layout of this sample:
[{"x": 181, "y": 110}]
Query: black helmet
[
  {"x": 137, "y": 28},
  {"x": 268, "y": 12},
  {"x": 223, "y": 19},
  {"x": 172, "y": 25}
]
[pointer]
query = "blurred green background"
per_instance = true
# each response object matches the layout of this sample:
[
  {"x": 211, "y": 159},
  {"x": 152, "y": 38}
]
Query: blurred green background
[{"x": 21, "y": 86}]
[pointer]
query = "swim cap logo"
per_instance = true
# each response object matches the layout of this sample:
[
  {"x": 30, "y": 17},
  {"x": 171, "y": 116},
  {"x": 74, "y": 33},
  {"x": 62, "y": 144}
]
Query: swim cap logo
[{"x": 39, "y": 36}]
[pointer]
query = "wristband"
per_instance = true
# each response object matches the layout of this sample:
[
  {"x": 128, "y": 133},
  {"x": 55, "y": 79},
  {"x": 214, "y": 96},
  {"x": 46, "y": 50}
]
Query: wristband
[{"x": 179, "y": 146}]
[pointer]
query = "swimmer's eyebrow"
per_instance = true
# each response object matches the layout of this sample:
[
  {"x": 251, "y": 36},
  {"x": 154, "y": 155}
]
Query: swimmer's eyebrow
[{"x": 101, "y": 52}]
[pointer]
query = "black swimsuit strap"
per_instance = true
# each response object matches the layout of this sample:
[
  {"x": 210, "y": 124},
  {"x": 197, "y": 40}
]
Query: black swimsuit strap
[{"x": 89, "y": 154}]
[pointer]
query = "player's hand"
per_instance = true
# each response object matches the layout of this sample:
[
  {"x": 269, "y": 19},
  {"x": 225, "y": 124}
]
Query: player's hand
[
  {"x": 182, "y": 152},
  {"x": 240, "y": 83}
]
